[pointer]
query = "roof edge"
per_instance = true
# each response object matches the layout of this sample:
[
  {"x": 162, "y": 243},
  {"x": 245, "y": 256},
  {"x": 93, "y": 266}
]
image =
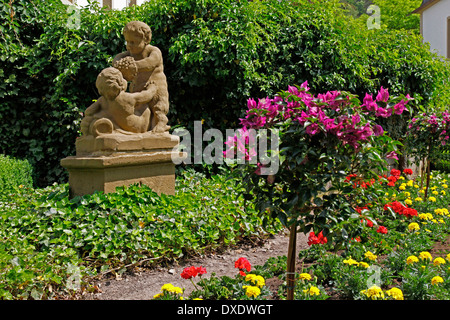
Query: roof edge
[{"x": 425, "y": 6}]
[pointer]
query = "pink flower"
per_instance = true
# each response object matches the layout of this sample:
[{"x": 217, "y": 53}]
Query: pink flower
[
  {"x": 400, "y": 107},
  {"x": 312, "y": 129},
  {"x": 378, "y": 130},
  {"x": 383, "y": 95},
  {"x": 369, "y": 104},
  {"x": 392, "y": 155},
  {"x": 384, "y": 113},
  {"x": 304, "y": 85}
]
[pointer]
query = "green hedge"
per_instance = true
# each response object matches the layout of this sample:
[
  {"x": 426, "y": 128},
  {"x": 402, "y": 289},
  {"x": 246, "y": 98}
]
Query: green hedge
[
  {"x": 14, "y": 173},
  {"x": 217, "y": 54}
]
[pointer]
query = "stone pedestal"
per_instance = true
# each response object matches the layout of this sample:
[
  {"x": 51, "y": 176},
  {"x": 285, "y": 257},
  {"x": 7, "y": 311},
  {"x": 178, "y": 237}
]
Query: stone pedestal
[{"x": 108, "y": 161}]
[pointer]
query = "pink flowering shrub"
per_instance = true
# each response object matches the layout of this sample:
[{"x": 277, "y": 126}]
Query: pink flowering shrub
[
  {"x": 324, "y": 138},
  {"x": 428, "y": 132}
]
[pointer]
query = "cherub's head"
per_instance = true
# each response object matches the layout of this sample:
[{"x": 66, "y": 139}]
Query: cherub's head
[
  {"x": 137, "y": 35},
  {"x": 110, "y": 83}
]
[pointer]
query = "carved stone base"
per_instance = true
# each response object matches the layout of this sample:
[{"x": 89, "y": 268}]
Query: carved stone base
[
  {"x": 88, "y": 174},
  {"x": 117, "y": 143}
]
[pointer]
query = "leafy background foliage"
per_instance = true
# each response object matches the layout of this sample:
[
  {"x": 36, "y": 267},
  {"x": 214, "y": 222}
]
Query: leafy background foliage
[{"x": 217, "y": 55}]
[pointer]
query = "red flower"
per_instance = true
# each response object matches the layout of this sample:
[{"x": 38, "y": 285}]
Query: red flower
[
  {"x": 410, "y": 212},
  {"x": 407, "y": 171},
  {"x": 396, "y": 206},
  {"x": 360, "y": 209},
  {"x": 242, "y": 264},
  {"x": 201, "y": 270},
  {"x": 395, "y": 173},
  {"x": 382, "y": 229},
  {"x": 369, "y": 223},
  {"x": 191, "y": 272},
  {"x": 319, "y": 239}
]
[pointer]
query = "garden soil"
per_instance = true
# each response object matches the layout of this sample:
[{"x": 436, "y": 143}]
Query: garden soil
[{"x": 144, "y": 283}]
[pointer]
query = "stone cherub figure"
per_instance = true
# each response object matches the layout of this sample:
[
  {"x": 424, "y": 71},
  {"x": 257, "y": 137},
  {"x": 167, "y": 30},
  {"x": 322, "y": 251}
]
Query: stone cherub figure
[
  {"x": 115, "y": 110},
  {"x": 143, "y": 63}
]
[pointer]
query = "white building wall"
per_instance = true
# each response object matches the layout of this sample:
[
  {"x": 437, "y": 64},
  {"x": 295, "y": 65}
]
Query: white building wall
[{"x": 434, "y": 26}]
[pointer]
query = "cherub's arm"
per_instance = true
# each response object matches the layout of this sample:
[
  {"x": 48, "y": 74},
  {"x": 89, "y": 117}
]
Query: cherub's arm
[
  {"x": 145, "y": 95},
  {"x": 151, "y": 62},
  {"x": 93, "y": 108}
]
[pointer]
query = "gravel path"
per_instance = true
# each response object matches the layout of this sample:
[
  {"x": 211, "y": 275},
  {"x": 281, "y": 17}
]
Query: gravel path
[{"x": 144, "y": 285}]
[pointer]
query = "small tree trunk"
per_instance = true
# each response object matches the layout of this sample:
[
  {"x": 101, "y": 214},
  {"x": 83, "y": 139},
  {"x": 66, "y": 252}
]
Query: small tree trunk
[
  {"x": 428, "y": 169},
  {"x": 290, "y": 272},
  {"x": 428, "y": 178}
]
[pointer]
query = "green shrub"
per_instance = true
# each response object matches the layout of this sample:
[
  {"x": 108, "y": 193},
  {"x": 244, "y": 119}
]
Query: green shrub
[
  {"x": 14, "y": 173},
  {"x": 217, "y": 54}
]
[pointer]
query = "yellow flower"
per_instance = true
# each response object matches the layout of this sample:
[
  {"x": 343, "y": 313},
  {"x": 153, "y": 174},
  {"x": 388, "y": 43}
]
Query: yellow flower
[
  {"x": 410, "y": 183},
  {"x": 413, "y": 227},
  {"x": 351, "y": 261},
  {"x": 402, "y": 187},
  {"x": 435, "y": 193},
  {"x": 444, "y": 186},
  {"x": 374, "y": 293},
  {"x": 313, "y": 291},
  {"x": 401, "y": 178},
  {"x": 156, "y": 296},
  {"x": 305, "y": 276},
  {"x": 197, "y": 299},
  {"x": 438, "y": 261},
  {"x": 432, "y": 199},
  {"x": 395, "y": 293},
  {"x": 425, "y": 255},
  {"x": 418, "y": 199},
  {"x": 252, "y": 291},
  {"x": 171, "y": 288},
  {"x": 424, "y": 216},
  {"x": 411, "y": 259},
  {"x": 436, "y": 280},
  {"x": 448, "y": 257},
  {"x": 443, "y": 192},
  {"x": 407, "y": 194},
  {"x": 363, "y": 264},
  {"x": 369, "y": 255},
  {"x": 421, "y": 191},
  {"x": 408, "y": 202},
  {"x": 257, "y": 280},
  {"x": 416, "y": 186}
]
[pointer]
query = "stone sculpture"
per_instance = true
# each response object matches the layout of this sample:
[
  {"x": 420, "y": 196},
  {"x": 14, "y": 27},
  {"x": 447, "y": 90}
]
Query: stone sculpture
[
  {"x": 143, "y": 63},
  {"x": 125, "y": 137}
]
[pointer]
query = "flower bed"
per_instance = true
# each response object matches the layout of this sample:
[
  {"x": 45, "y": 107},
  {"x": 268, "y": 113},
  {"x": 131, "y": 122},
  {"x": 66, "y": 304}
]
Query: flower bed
[{"x": 399, "y": 249}]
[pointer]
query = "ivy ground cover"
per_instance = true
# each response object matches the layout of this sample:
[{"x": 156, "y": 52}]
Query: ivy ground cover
[{"x": 51, "y": 246}]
